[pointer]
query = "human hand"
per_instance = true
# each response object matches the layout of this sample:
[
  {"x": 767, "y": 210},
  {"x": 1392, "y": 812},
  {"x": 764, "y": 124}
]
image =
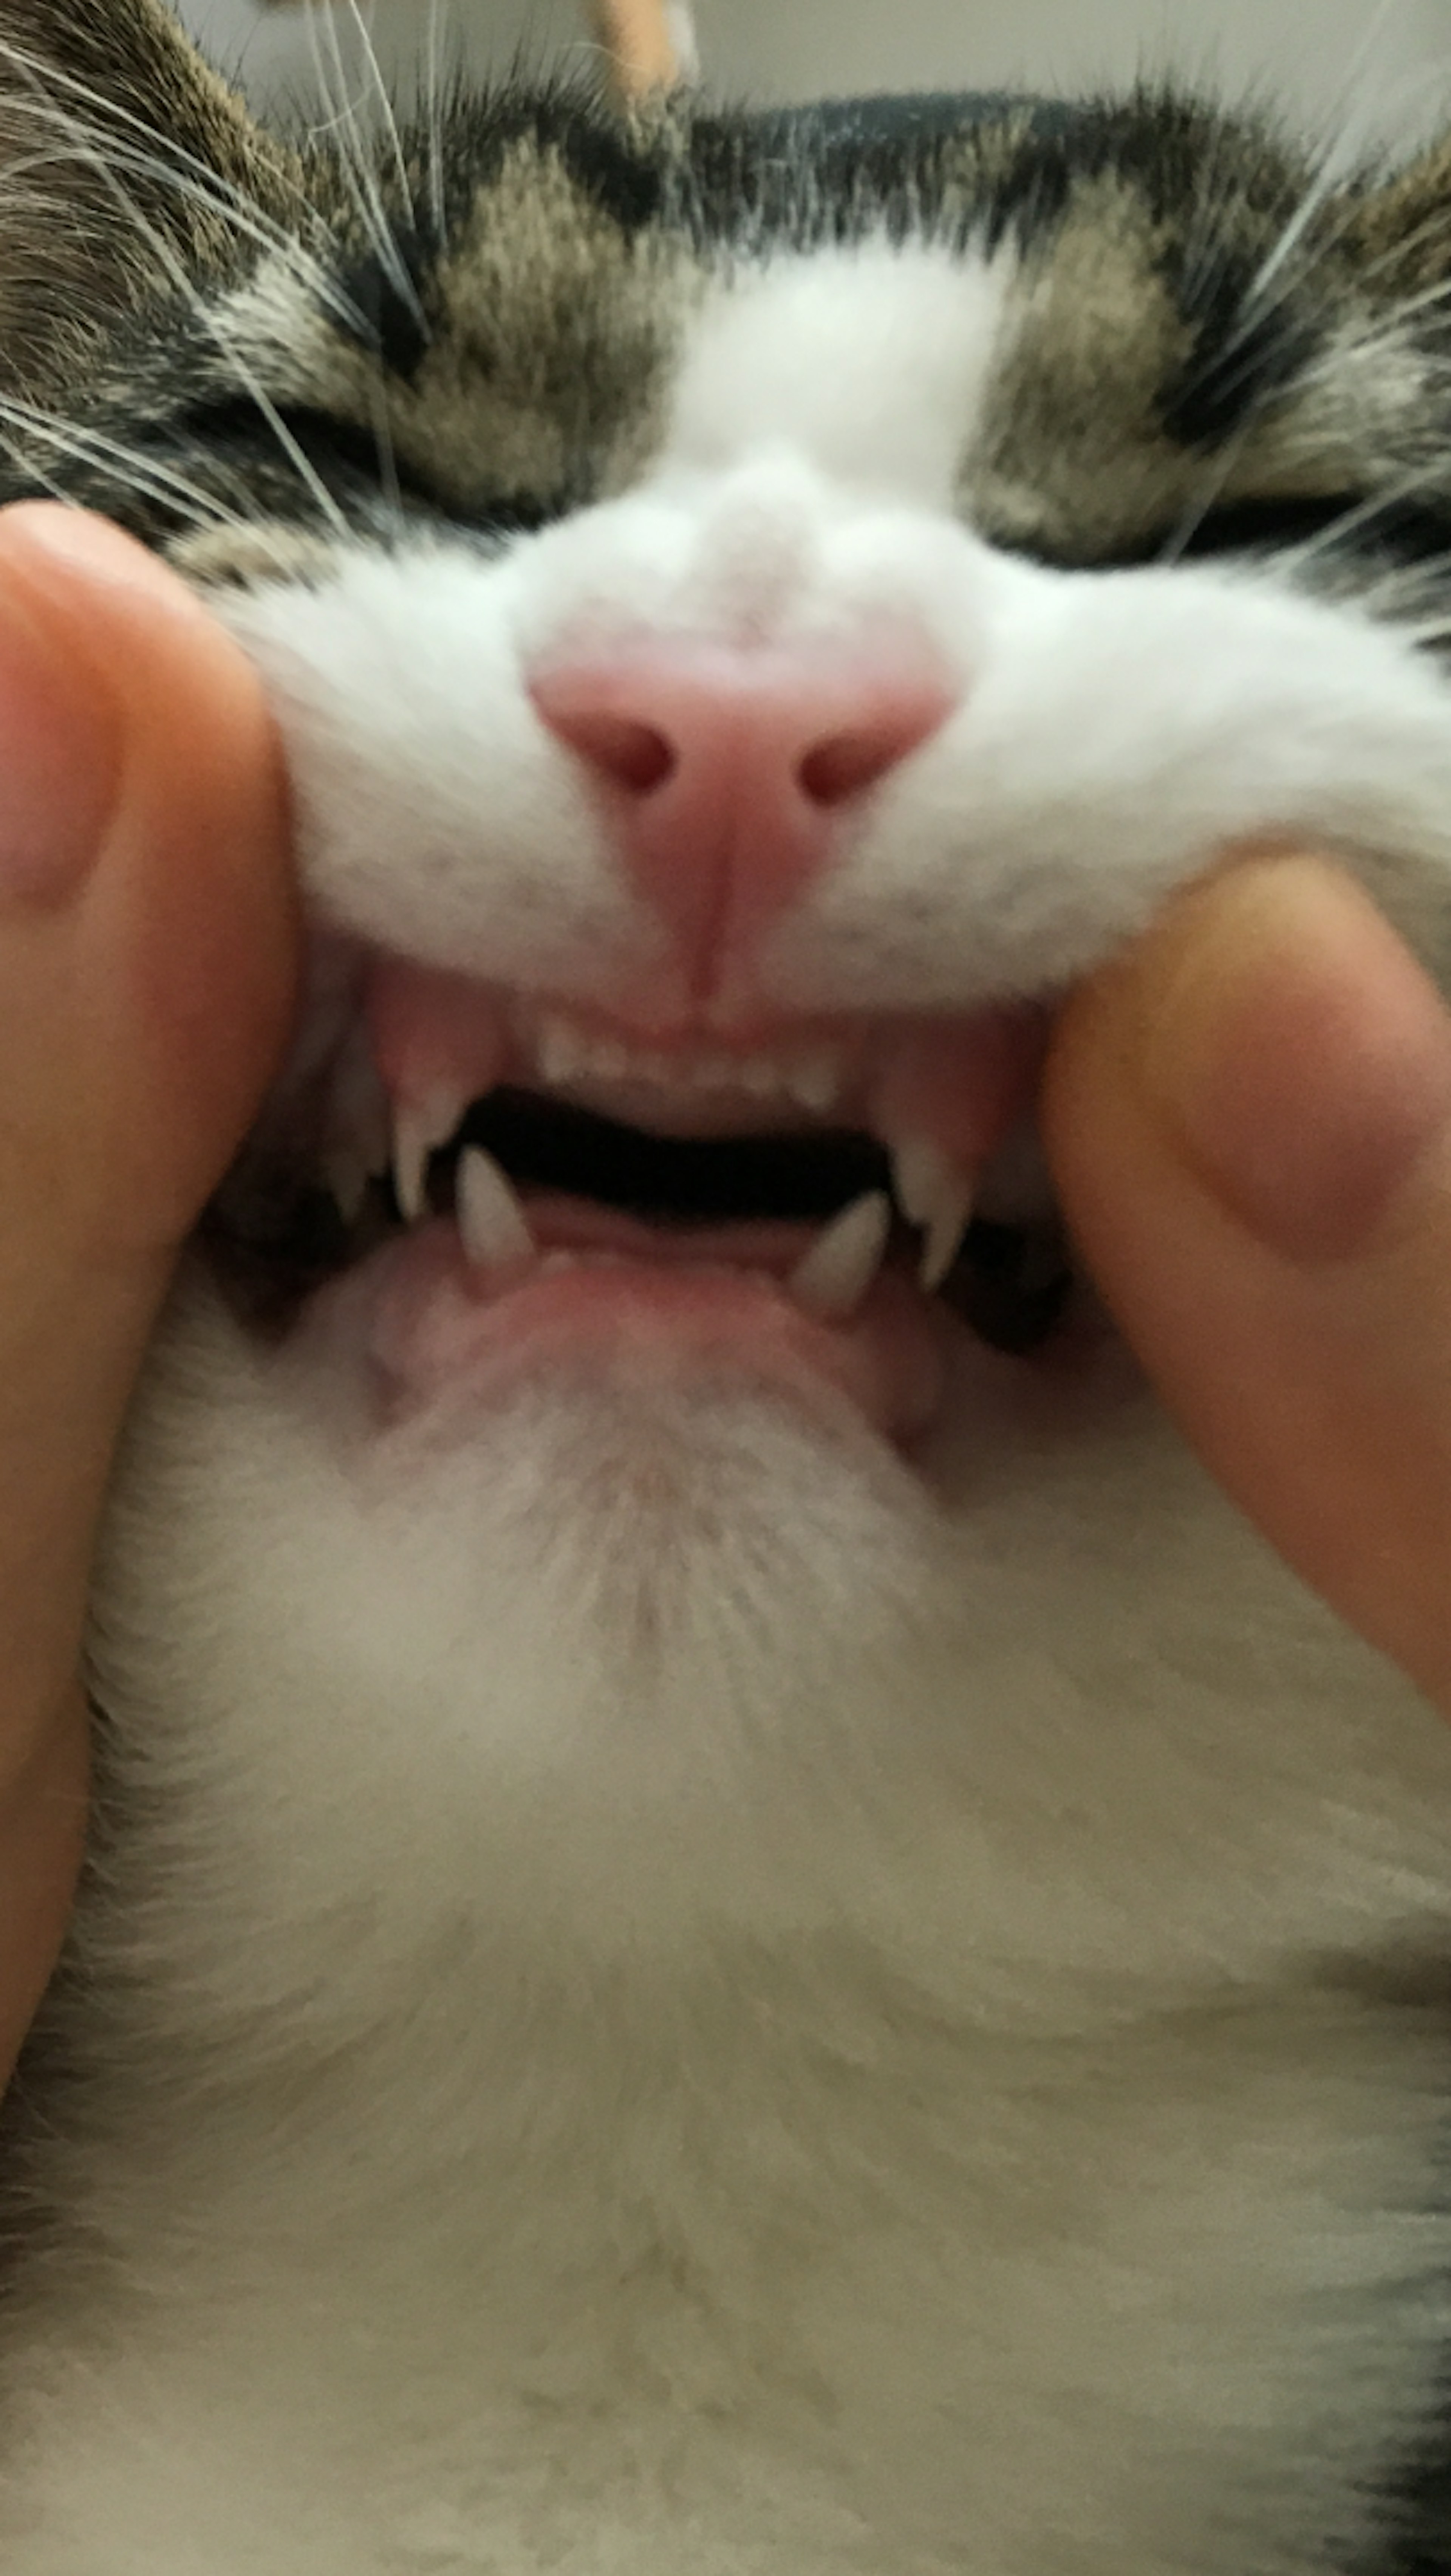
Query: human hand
[
  {"x": 1249, "y": 1119},
  {"x": 146, "y": 958}
]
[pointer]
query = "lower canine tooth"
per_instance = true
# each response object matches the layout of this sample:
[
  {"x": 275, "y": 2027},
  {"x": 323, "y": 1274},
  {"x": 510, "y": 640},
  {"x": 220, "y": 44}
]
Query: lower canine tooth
[
  {"x": 834, "y": 1276},
  {"x": 492, "y": 1223}
]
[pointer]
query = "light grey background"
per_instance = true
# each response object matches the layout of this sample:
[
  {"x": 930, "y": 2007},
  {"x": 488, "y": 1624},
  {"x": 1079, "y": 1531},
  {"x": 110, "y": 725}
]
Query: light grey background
[{"x": 1380, "y": 64}]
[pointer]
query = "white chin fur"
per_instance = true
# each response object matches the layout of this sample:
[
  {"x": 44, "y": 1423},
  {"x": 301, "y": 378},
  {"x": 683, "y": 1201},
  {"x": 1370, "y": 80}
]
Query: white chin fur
[{"x": 634, "y": 1672}]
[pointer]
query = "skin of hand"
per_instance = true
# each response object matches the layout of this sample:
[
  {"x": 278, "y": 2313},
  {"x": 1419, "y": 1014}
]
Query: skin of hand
[
  {"x": 147, "y": 957},
  {"x": 1249, "y": 1119}
]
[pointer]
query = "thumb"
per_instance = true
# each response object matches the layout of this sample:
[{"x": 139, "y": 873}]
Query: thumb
[
  {"x": 1249, "y": 1117},
  {"x": 145, "y": 966}
]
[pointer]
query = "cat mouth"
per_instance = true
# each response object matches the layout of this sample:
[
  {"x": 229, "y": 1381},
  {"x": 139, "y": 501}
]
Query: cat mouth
[{"x": 481, "y": 1142}]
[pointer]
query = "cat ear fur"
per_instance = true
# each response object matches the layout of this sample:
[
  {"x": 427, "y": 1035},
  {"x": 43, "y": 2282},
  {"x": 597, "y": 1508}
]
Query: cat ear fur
[{"x": 91, "y": 93}]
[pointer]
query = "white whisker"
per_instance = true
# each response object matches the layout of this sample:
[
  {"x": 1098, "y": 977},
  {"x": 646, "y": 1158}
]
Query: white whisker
[
  {"x": 95, "y": 140},
  {"x": 140, "y": 471},
  {"x": 356, "y": 165},
  {"x": 433, "y": 114},
  {"x": 244, "y": 374}
]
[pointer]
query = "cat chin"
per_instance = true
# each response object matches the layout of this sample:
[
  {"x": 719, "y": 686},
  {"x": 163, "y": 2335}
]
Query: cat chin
[
  {"x": 649, "y": 1670},
  {"x": 643, "y": 1663}
]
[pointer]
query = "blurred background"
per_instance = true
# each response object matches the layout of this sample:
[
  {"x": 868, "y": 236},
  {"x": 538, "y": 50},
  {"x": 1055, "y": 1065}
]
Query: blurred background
[{"x": 1383, "y": 66}]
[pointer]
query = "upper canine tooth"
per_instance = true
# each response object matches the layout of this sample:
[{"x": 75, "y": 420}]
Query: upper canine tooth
[
  {"x": 944, "y": 1239},
  {"x": 935, "y": 1195},
  {"x": 834, "y": 1276},
  {"x": 419, "y": 1126},
  {"x": 491, "y": 1222}
]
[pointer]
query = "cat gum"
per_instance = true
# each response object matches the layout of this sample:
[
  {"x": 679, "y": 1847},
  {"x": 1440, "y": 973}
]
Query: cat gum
[{"x": 958, "y": 1085}]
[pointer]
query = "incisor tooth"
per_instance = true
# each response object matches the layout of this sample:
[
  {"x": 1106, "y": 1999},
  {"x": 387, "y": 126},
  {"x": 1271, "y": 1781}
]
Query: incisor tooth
[
  {"x": 492, "y": 1223},
  {"x": 418, "y": 1126},
  {"x": 815, "y": 1083},
  {"x": 936, "y": 1196},
  {"x": 560, "y": 1054},
  {"x": 834, "y": 1276}
]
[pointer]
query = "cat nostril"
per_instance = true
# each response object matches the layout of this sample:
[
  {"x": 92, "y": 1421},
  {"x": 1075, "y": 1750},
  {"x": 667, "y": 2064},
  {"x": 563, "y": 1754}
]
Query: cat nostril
[
  {"x": 633, "y": 755},
  {"x": 892, "y": 722},
  {"x": 844, "y": 766}
]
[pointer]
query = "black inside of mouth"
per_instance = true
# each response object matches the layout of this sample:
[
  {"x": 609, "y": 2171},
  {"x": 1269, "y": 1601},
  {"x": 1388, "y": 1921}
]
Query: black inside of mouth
[
  {"x": 674, "y": 1180},
  {"x": 276, "y": 1232}
]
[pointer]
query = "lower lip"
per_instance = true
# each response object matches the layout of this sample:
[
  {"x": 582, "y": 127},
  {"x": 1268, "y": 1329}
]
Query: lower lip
[{"x": 432, "y": 1332}]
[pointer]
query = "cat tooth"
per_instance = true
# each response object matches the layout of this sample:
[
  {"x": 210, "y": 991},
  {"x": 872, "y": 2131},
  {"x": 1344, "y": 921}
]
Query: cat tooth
[
  {"x": 834, "y": 1276},
  {"x": 560, "y": 1052},
  {"x": 919, "y": 1171},
  {"x": 934, "y": 1194},
  {"x": 418, "y": 1127},
  {"x": 608, "y": 1061},
  {"x": 816, "y": 1083},
  {"x": 492, "y": 1223},
  {"x": 945, "y": 1230}
]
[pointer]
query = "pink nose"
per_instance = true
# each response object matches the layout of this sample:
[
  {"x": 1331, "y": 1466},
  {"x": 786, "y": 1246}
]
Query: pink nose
[{"x": 729, "y": 770}]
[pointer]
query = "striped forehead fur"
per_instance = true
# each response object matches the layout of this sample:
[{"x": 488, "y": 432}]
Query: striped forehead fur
[{"x": 484, "y": 314}]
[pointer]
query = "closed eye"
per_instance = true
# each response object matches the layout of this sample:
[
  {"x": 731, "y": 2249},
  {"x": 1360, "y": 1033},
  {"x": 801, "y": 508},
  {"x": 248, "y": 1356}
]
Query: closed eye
[
  {"x": 1353, "y": 525},
  {"x": 1393, "y": 530},
  {"x": 1253, "y": 527},
  {"x": 346, "y": 454}
]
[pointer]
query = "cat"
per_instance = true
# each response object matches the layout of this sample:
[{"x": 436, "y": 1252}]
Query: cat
[{"x": 734, "y": 1927}]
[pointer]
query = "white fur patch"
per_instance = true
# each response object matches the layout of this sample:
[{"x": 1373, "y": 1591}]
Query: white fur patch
[{"x": 871, "y": 363}]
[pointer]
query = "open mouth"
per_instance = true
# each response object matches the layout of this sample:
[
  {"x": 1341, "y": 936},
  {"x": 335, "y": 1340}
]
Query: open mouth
[{"x": 825, "y": 1159}]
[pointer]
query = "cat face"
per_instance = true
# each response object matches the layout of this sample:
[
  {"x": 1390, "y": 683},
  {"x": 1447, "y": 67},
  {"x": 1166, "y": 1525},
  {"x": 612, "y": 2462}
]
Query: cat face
[{"x": 755, "y": 608}]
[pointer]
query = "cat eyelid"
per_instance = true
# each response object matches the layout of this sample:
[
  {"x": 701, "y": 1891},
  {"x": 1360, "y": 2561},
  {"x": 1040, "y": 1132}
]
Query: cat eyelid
[
  {"x": 1409, "y": 532},
  {"x": 356, "y": 453}
]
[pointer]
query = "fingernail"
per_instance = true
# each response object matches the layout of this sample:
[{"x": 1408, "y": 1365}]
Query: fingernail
[
  {"x": 60, "y": 750},
  {"x": 1299, "y": 1049}
]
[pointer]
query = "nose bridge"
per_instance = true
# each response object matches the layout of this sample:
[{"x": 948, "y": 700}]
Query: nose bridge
[{"x": 759, "y": 542}]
